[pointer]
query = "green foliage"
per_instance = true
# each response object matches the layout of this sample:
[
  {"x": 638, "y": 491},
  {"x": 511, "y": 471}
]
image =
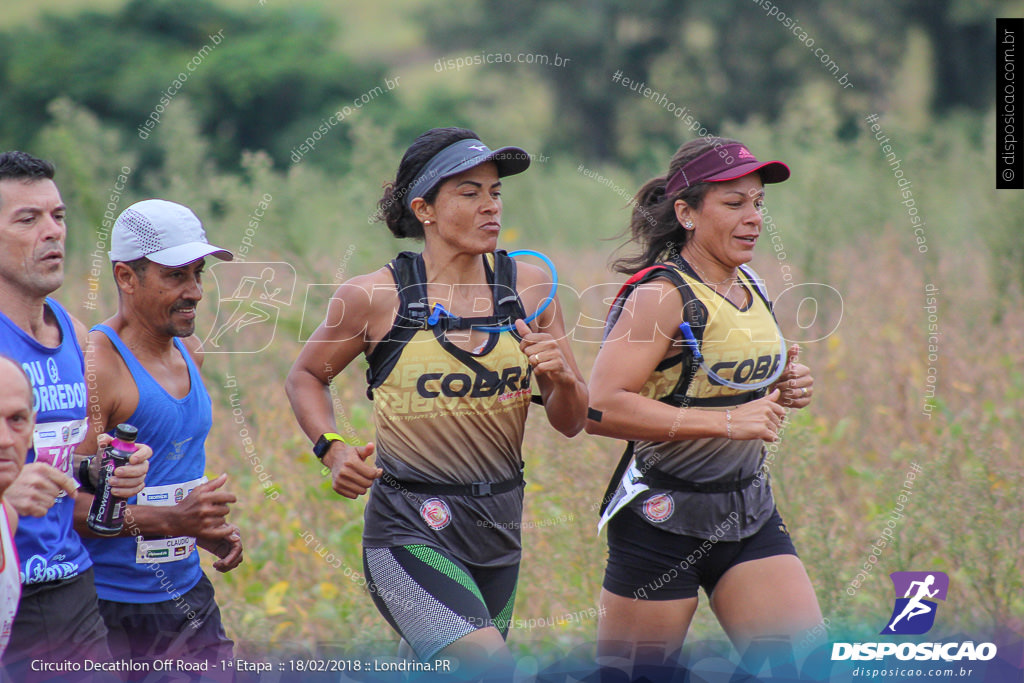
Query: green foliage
[
  {"x": 89, "y": 157},
  {"x": 580, "y": 32},
  {"x": 724, "y": 62},
  {"x": 257, "y": 81},
  {"x": 840, "y": 465},
  {"x": 841, "y": 218},
  {"x": 555, "y": 203},
  {"x": 276, "y": 74}
]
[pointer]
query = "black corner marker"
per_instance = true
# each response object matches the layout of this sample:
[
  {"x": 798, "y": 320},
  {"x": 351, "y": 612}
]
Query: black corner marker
[{"x": 594, "y": 415}]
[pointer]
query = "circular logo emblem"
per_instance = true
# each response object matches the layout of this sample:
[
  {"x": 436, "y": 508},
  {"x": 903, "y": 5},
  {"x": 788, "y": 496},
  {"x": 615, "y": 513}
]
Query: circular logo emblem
[
  {"x": 65, "y": 433},
  {"x": 51, "y": 368},
  {"x": 658, "y": 508},
  {"x": 436, "y": 514},
  {"x": 179, "y": 495}
]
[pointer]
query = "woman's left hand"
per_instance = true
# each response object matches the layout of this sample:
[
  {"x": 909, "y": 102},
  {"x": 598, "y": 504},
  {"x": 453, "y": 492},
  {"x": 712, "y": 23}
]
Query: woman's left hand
[
  {"x": 795, "y": 383},
  {"x": 545, "y": 355}
]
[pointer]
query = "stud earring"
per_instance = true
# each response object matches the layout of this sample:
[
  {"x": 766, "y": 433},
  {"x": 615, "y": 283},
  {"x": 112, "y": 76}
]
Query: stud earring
[{"x": 688, "y": 224}]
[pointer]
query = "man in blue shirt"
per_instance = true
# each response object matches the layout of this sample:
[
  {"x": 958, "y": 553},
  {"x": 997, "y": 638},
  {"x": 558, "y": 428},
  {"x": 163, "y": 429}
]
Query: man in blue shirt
[
  {"x": 58, "y": 618},
  {"x": 154, "y": 596}
]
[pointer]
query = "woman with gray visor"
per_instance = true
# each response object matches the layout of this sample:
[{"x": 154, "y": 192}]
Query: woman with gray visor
[{"x": 451, "y": 364}]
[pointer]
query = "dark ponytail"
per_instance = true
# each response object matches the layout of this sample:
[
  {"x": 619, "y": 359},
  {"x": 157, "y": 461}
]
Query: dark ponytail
[
  {"x": 391, "y": 208},
  {"x": 653, "y": 224}
]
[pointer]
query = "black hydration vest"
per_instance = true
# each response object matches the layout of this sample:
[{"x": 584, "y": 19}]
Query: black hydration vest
[
  {"x": 695, "y": 313},
  {"x": 413, "y": 309}
]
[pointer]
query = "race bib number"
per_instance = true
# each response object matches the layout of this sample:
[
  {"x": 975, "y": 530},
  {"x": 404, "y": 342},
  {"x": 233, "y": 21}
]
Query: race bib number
[
  {"x": 150, "y": 550},
  {"x": 55, "y": 444}
]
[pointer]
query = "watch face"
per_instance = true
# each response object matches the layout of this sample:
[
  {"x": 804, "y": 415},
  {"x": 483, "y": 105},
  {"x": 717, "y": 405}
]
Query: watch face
[{"x": 322, "y": 444}]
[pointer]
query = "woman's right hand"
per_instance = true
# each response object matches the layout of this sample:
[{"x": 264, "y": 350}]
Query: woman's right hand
[
  {"x": 758, "y": 419},
  {"x": 351, "y": 475}
]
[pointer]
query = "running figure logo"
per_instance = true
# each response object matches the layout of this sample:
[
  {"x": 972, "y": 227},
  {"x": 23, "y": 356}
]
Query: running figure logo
[
  {"x": 246, "y": 320},
  {"x": 914, "y": 613}
]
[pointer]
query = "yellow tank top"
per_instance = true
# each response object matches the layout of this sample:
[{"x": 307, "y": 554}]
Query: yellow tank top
[
  {"x": 739, "y": 345},
  {"x": 451, "y": 415}
]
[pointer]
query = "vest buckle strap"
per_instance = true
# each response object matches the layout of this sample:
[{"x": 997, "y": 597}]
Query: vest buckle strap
[
  {"x": 476, "y": 489},
  {"x": 656, "y": 479}
]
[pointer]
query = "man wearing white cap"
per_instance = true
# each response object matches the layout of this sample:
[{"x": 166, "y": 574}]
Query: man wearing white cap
[{"x": 154, "y": 597}]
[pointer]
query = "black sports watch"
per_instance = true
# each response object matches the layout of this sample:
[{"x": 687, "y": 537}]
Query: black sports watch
[
  {"x": 324, "y": 443},
  {"x": 84, "y": 478}
]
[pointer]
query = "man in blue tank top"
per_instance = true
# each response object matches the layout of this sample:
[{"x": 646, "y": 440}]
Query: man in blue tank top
[
  {"x": 58, "y": 620},
  {"x": 154, "y": 597}
]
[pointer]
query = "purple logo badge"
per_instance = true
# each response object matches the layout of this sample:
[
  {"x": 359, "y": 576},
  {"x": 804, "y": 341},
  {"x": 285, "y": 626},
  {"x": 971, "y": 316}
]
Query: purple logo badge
[{"x": 916, "y": 593}]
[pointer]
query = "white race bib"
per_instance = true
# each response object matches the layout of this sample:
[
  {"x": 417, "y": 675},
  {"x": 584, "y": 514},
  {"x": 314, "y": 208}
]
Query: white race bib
[
  {"x": 160, "y": 550},
  {"x": 55, "y": 444}
]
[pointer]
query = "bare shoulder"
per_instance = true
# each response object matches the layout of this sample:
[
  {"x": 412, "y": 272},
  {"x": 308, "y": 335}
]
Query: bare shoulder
[
  {"x": 108, "y": 378},
  {"x": 660, "y": 298},
  {"x": 651, "y": 311},
  {"x": 194, "y": 348},
  {"x": 529, "y": 275},
  {"x": 379, "y": 285},
  {"x": 366, "y": 296},
  {"x": 102, "y": 360},
  {"x": 533, "y": 284},
  {"x": 81, "y": 331}
]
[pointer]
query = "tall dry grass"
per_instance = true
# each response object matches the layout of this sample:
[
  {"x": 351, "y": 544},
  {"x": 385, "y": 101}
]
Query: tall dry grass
[
  {"x": 837, "y": 474},
  {"x": 839, "y": 469}
]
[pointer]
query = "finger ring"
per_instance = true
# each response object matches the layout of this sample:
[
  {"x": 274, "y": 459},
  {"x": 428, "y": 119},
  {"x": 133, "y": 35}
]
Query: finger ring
[
  {"x": 533, "y": 359},
  {"x": 804, "y": 390}
]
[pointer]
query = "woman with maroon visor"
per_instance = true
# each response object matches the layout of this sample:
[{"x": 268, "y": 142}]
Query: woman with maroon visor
[{"x": 694, "y": 373}]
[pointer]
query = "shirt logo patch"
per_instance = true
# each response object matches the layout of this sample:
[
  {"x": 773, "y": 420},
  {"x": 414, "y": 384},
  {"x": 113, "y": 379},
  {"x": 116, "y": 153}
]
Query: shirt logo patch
[
  {"x": 51, "y": 367},
  {"x": 659, "y": 508},
  {"x": 178, "y": 446},
  {"x": 436, "y": 514}
]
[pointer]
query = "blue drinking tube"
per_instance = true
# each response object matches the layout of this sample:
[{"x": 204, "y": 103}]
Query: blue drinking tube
[
  {"x": 691, "y": 341},
  {"x": 543, "y": 304}
]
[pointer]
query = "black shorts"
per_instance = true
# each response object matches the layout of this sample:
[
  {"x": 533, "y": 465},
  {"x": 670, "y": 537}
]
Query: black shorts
[
  {"x": 648, "y": 563},
  {"x": 57, "y": 621},
  {"x": 432, "y": 599},
  {"x": 187, "y": 628}
]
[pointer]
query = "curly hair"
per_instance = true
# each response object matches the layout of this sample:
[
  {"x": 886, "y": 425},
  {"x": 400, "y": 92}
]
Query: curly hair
[{"x": 391, "y": 208}]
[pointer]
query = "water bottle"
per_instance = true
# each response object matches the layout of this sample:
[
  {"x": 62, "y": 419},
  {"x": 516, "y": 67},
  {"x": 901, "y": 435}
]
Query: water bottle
[{"x": 106, "y": 516}]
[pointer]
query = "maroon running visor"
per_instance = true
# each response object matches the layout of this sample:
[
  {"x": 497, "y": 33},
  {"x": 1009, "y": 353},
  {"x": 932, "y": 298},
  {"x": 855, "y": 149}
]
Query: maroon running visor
[{"x": 725, "y": 162}]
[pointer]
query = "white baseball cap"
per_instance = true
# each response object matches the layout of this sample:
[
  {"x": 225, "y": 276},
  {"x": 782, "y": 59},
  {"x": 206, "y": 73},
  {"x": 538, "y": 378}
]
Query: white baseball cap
[{"x": 164, "y": 232}]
